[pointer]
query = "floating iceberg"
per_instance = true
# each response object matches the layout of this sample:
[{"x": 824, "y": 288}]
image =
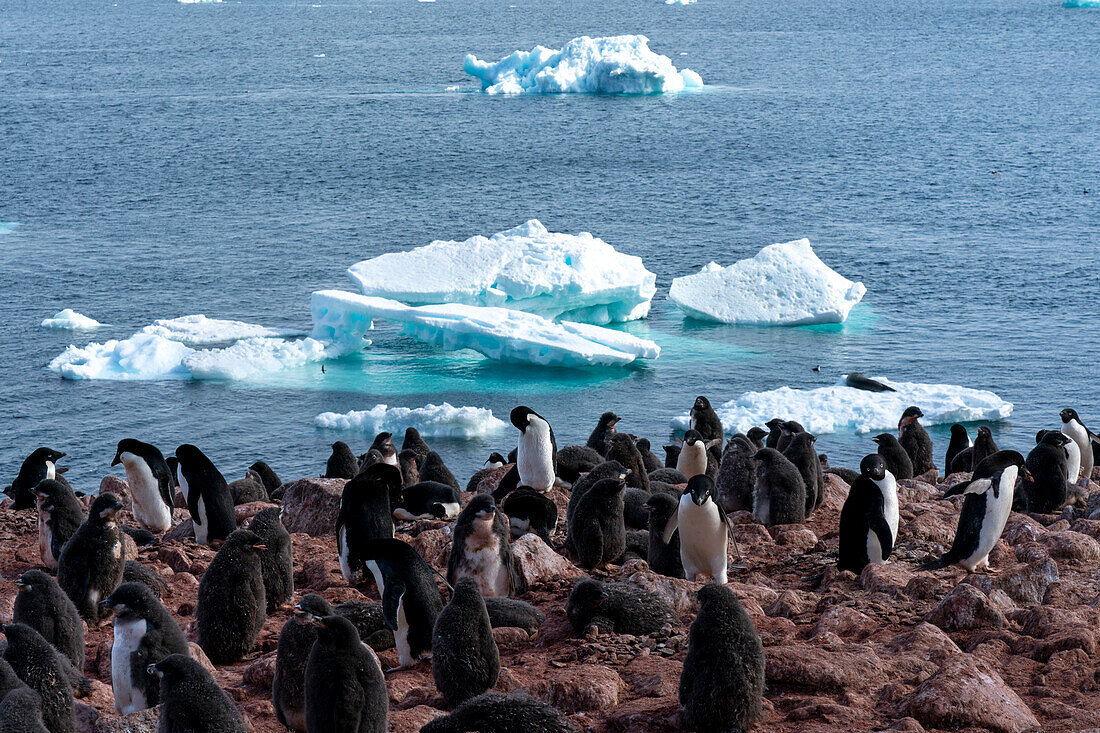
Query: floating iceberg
[
  {"x": 71, "y": 320},
  {"x": 574, "y": 277},
  {"x": 783, "y": 285},
  {"x": 498, "y": 333},
  {"x": 202, "y": 331},
  {"x": 839, "y": 407},
  {"x": 7, "y": 227},
  {"x": 1081, "y": 4},
  {"x": 611, "y": 65},
  {"x": 142, "y": 356},
  {"x": 253, "y": 357},
  {"x": 440, "y": 421}
]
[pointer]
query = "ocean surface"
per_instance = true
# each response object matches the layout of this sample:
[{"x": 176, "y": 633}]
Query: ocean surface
[{"x": 164, "y": 159}]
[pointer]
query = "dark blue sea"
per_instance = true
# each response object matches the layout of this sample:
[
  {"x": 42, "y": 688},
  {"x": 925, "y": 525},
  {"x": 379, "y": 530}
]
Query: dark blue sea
[{"x": 164, "y": 159}]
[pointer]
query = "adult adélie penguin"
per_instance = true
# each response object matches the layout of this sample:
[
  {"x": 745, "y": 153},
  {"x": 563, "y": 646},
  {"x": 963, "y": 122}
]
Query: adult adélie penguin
[
  {"x": 1075, "y": 429},
  {"x": 537, "y": 450},
  {"x": 987, "y": 504},
  {"x": 704, "y": 528}
]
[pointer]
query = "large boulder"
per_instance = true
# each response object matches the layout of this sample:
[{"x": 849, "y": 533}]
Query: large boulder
[
  {"x": 310, "y": 505},
  {"x": 584, "y": 688},
  {"x": 966, "y": 607},
  {"x": 538, "y": 563},
  {"x": 966, "y": 692},
  {"x": 1023, "y": 583}
]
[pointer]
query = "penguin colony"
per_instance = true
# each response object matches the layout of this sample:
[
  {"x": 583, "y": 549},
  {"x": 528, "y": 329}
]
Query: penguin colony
[{"x": 623, "y": 502}]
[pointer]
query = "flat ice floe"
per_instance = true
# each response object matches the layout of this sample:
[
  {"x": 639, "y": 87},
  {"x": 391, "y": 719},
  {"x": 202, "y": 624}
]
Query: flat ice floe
[
  {"x": 439, "y": 421},
  {"x": 142, "y": 356},
  {"x": 498, "y": 333},
  {"x": 839, "y": 407},
  {"x": 71, "y": 320},
  {"x": 574, "y": 277},
  {"x": 609, "y": 65},
  {"x": 199, "y": 330},
  {"x": 783, "y": 285}
]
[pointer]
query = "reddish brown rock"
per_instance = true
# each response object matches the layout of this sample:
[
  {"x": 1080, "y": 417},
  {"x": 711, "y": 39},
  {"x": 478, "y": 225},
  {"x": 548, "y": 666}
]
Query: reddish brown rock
[
  {"x": 200, "y": 656},
  {"x": 538, "y": 563},
  {"x": 966, "y": 607},
  {"x": 795, "y": 536},
  {"x": 175, "y": 558},
  {"x": 244, "y": 512},
  {"x": 816, "y": 668},
  {"x": 434, "y": 545},
  {"x": 968, "y": 692},
  {"x": 144, "y": 721},
  {"x": 580, "y": 689},
  {"x": 678, "y": 593},
  {"x": 889, "y": 578},
  {"x": 1071, "y": 546},
  {"x": 1024, "y": 583},
  {"x": 413, "y": 719},
  {"x": 847, "y": 623},
  {"x": 310, "y": 505},
  {"x": 260, "y": 673},
  {"x": 111, "y": 484}
]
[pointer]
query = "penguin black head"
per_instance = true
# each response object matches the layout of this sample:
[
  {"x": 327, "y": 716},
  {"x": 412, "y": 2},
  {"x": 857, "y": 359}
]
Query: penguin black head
[
  {"x": 521, "y": 417},
  {"x": 41, "y": 455},
  {"x": 336, "y": 629},
  {"x": 884, "y": 439},
  {"x": 793, "y": 427},
  {"x": 383, "y": 475},
  {"x": 823, "y": 460},
  {"x": 245, "y": 541},
  {"x": 911, "y": 414},
  {"x": 1052, "y": 437},
  {"x": 702, "y": 404},
  {"x": 691, "y": 437},
  {"x": 482, "y": 507},
  {"x": 799, "y": 438},
  {"x": 33, "y": 581},
  {"x": 187, "y": 453},
  {"x": 984, "y": 432},
  {"x": 131, "y": 600},
  {"x": 176, "y": 668},
  {"x": 382, "y": 439},
  {"x": 495, "y": 457},
  {"x": 586, "y": 596},
  {"x": 105, "y": 507},
  {"x": 756, "y": 433},
  {"x": 609, "y": 486},
  {"x": 19, "y": 634},
  {"x": 660, "y": 504},
  {"x": 775, "y": 423},
  {"x": 765, "y": 456},
  {"x": 609, "y": 420},
  {"x": 873, "y": 467},
  {"x": 310, "y": 606},
  {"x": 958, "y": 431},
  {"x": 130, "y": 445},
  {"x": 701, "y": 488}
]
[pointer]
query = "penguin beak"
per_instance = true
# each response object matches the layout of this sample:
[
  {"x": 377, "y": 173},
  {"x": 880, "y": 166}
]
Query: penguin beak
[
  {"x": 1026, "y": 474},
  {"x": 259, "y": 547},
  {"x": 302, "y": 614},
  {"x": 613, "y": 421},
  {"x": 117, "y": 460},
  {"x": 19, "y": 583},
  {"x": 318, "y": 622}
]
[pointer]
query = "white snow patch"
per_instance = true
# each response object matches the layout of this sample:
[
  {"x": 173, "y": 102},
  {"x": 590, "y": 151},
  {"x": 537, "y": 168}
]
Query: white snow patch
[
  {"x": 71, "y": 320},
  {"x": 254, "y": 357},
  {"x": 574, "y": 277},
  {"x": 198, "y": 330},
  {"x": 498, "y": 333},
  {"x": 839, "y": 407},
  {"x": 783, "y": 285},
  {"x": 609, "y": 65},
  {"x": 142, "y": 356},
  {"x": 446, "y": 420}
]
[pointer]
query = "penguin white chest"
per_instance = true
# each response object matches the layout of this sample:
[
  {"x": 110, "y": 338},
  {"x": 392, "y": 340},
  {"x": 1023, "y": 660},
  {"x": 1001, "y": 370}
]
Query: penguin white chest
[
  {"x": 401, "y": 635},
  {"x": 693, "y": 459},
  {"x": 51, "y": 470},
  {"x": 128, "y": 636},
  {"x": 889, "y": 488},
  {"x": 350, "y": 575},
  {"x": 202, "y": 528},
  {"x": 1073, "y": 460},
  {"x": 703, "y": 537},
  {"x": 1076, "y": 432},
  {"x": 149, "y": 508},
  {"x": 481, "y": 561},
  {"x": 997, "y": 509},
  {"x": 535, "y": 456}
]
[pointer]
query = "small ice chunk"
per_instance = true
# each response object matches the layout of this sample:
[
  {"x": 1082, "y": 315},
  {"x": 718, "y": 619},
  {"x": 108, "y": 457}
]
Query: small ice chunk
[
  {"x": 680, "y": 2},
  {"x": 1081, "y": 4},
  {"x": 7, "y": 227},
  {"x": 440, "y": 421},
  {"x": 71, "y": 320},
  {"x": 573, "y": 277},
  {"x": 608, "y": 65},
  {"x": 199, "y": 330},
  {"x": 498, "y": 333},
  {"x": 142, "y": 356},
  {"x": 839, "y": 407},
  {"x": 783, "y": 285}
]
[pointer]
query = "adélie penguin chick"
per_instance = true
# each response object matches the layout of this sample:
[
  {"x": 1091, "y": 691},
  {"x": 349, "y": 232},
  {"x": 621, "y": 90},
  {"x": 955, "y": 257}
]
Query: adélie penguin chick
[
  {"x": 435, "y": 470},
  {"x": 150, "y": 482},
  {"x": 38, "y": 466},
  {"x": 959, "y": 442},
  {"x": 413, "y": 442},
  {"x": 465, "y": 658},
  {"x": 207, "y": 495},
  {"x": 59, "y": 515},
  {"x": 986, "y": 506},
  {"x": 272, "y": 482},
  {"x": 530, "y": 511},
  {"x": 1075, "y": 429},
  {"x": 295, "y": 642},
  {"x": 605, "y": 426},
  {"x": 800, "y": 451},
  {"x": 366, "y": 513},
  {"x": 722, "y": 683},
  {"x": 42, "y": 605},
  {"x": 616, "y": 608},
  {"x": 622, "y": 448},
  {"x": 1049, "y": 487},
  {"x": 93, "y": 560},
  {"x": 144, "y": 633},
  {"x": 916, "y": 441},
  {"x": 341, "y": 462},
  {"x": 40, "y": 666},
  {"x": 597, "y": 531},
  {"x": 779, "y": 495},
  {"x": 277, "y": 557},
  {"x": 704, "y": 530},
  {"x": 191, "y": 701},
  {"x": 704, "y": 420},
  {"x": 866, "y": 536},
  {"x": 663, "y": 557},
  {"x": 410, "y": 597},
  {"x": 232, "y": 603},
  {"x": 481, "y": 551},
  {"x": 495, "y": 712},
  {"x": 736, "y": 474},
  {"x": 344, "y": 688},
  {"x": 969, "y": 458},
  {"x": 536, "y": 451},
  {"x": 897, "y": 460},
  {"x": 21, "y": 712}
]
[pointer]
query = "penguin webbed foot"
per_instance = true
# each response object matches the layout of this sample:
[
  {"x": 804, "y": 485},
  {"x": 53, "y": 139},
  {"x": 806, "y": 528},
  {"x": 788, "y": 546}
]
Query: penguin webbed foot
[{"x": 409, "y": 665}]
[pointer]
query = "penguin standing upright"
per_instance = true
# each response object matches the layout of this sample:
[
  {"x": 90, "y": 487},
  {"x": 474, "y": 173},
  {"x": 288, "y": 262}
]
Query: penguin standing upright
[
  {"x": 866, "y": 536},
  {"x": 663, "y": 557},
  {"x": 366, "y": 513},
  {"x": 40, "y": 666},
  {"x": 621, "y": 448},
  {"x": 986, "y": 506},
  {"x": 968, "y": 459},
  {"x": 207, "y": 495},
  {"x": 722, "y": 683},
  {"x": 190, "y": 699},
  {"x": 608, "y": 469},
  {"x": 59, "y": 515},
  {"x": 536, "y": 451},
  {"x": 800, "y": 451},
  {"x": 481, "y": 551},
  {"x": 775, "y": 432},
  {"x": 277, "y": 557},
  {"x": 704, "y": 420},
  {"x": 788, "y": 430},
  {"x": 1075, "y": 429},
  {"x": 410, "y": 597},
  {"x": 42, "y": 605},
  {"x": 150, "y": 482},
  {"x": 341, "y": 463},
  {"x": 272, "y": 482},
  {"x": 92, "y": 561},
  {"x": 295, "y": 642},
  {"x": 606, "y": 426},
  {"x": 736, "y": 474},
  {"x": 145, "y": 633},
  {"x": 39, "y": 465},
  {"x": 344, "y": 688},
  {"x": 232, "y": 604},
  {"x": 412, "y": 441},
  {"x": 1049, "y": 488},
  {"x": 779, "y": 495},
  {"x": 960, "y": 441},
  {"x": 897, "y": 460},
  {"x": 465, "y": 658},
  {"x": 597, "y": 531},
  {"x": 692, "y": 460},
  {"x": 383, "y": 443},
  {"x": 756, "y": 437},
  {"x": 916, "y": 441},
  {"x": 704, "y": 531}
]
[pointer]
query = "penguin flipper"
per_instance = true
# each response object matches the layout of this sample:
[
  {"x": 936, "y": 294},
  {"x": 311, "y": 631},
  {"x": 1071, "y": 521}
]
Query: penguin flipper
[
  {"x": 193, "y": 497},
  {"x": 391, "y": 600},
  {"x": 878, "y": 525},
  {"x": 673, "y": 523}
]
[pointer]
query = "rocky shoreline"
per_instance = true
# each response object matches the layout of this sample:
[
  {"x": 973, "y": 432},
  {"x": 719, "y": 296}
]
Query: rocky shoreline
[{"x": 894, "y": 648}]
